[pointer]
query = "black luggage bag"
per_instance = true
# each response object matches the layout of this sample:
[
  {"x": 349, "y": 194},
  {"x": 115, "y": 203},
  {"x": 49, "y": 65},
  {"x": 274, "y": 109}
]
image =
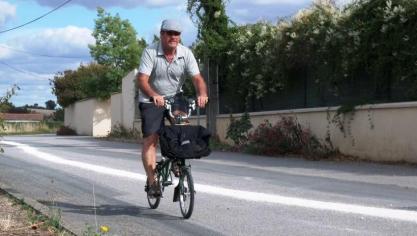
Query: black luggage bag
[{"x": 184, "y": 141}]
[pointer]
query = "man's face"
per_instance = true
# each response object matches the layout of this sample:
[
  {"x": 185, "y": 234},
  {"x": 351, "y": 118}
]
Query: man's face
[{"x": 170, "y": 39}]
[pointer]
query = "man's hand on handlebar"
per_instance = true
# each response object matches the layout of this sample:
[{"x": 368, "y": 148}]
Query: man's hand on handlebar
[
  {"x": 159, "y": 101},
  {"x": 202, "y": 101}
]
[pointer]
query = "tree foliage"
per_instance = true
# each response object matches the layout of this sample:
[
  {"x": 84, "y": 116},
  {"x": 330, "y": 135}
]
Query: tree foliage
[
  {"x": 369, "y": 43},
  {"x": 249, "y": 57},
  {"x": 87, "y": 81},
  {"x": 116, "y": 52},
  {"x": 116, "y": 46},
  {"x": 212, "y": 23},
  {"x": 50, "y": 104}
]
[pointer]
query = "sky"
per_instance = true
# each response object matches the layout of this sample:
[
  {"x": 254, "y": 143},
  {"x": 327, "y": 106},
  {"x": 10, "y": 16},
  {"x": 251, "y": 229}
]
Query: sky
[{"x": 31, "y": 55}]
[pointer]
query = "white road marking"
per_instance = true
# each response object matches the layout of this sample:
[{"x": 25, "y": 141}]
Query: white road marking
[
  {"x": 58, "y": 160},
  {"x": 395, "y": 214}
]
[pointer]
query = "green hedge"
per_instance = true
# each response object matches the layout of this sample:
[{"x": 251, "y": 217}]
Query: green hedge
[{"x": 363, "y": 53}]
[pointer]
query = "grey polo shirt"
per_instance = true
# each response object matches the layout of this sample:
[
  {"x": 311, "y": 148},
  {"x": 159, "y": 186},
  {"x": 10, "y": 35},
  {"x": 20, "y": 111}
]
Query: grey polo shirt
[{"x": 164, "y": 77}]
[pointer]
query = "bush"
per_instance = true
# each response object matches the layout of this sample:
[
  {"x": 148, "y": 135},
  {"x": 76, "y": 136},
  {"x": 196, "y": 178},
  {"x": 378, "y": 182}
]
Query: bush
[
  {"x": 118, "y": 131},
  {"x": 287, "y": 136},
  {"x": 65, "y": 130},
  {"x": 363, "y": 52},
  {"x": 238, "y": 129}
]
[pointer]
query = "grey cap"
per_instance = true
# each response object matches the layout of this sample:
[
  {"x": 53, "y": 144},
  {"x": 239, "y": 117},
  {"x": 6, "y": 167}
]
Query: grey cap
[{"x": 171, "y": 25}]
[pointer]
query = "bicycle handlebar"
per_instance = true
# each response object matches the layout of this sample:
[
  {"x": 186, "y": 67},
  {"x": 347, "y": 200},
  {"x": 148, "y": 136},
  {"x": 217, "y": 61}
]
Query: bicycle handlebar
[{"x": 170, "y": 100}]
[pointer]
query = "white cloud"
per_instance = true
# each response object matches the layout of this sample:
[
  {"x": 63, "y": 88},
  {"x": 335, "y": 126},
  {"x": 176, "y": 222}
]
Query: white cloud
[
  {"x": 32, "y": 72},
  {"x": 5, "y": 52},
  {"x": 271, "y": 2},
  {"x": 68, "y": 41},
  {"x": 249, "y": 11},
  {"x": 34, "y": 88},
  {"x": 7, "y": 12},
  {"x": 92, "y": 4},
  {"x": 244, "y": 11}
]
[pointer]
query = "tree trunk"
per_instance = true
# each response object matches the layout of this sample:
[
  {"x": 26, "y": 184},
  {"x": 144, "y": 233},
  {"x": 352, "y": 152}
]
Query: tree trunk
[{"x": 211, "y": 73}]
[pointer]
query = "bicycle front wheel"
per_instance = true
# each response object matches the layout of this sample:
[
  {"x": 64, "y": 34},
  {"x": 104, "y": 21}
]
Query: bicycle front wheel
[
  {"x": 186, "y": 193},
  {"x": 152, "y": 200}
]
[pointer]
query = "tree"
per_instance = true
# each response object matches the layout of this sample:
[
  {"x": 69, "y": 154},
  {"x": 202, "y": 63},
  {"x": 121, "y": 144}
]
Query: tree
[
  {"x": 67, "y": 88},
  {"x": 116, "y": 46},
  {"x": 87, "y": 81},
  {"x": 116, "y": 52},
  {"x": 5, "y": 100},
  {"x": 6, "y": 106},
  {"x": 212, "y": 22},
  {"x": 210, "y": 17},
  {"x": 50, "y": 105}
]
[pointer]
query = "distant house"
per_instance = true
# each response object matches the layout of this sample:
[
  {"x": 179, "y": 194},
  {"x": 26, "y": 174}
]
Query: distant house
[
  {"x": 45, "y": 112},
  {"x": 21, "y": 117}
]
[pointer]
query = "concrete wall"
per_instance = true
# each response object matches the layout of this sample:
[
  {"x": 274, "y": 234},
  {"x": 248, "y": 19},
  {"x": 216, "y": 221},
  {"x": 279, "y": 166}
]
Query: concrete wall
[
  {"x": 94, "y": 117},
  {"x": 383, "y": 132},
  {"x": 69, "y": 113},
  {"x": 102, "y": 118},
  {"x": 128, "y": 99},
  {"x": 13, "y": 127},
  {"x": 116, "y": 109},
  {"x": 89, "y": 117}
]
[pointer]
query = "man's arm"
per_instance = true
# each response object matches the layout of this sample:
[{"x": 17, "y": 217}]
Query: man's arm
[
  {"x": 201, "y": 89},
  {"x": 143, "y": 83}
]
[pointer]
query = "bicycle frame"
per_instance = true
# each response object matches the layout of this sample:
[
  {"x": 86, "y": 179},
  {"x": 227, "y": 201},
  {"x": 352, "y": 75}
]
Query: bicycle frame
[{"x": 164, "y": 171}]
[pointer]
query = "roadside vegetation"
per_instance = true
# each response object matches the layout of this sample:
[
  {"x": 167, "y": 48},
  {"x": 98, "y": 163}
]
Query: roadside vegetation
[
  {"x": 120, "y": 132},
  {"x": 18, "y": 218},
  {"x": 42, "y": 127},
  {"x": 50, "y": 123},
  {"x": 286, "y": 136}
]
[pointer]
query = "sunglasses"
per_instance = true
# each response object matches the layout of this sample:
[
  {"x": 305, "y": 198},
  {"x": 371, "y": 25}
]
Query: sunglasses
[{"x": 172, "y": 33}]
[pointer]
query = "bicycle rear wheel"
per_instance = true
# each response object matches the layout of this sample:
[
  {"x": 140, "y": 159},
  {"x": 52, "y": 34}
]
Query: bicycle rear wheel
[{"x": 186, "y": 193}]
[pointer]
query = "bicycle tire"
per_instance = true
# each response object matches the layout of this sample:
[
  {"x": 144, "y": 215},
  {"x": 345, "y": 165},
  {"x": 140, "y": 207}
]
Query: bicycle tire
[
  {"x": 154, "y": 202},
  {"x": 186, "y": 193}
]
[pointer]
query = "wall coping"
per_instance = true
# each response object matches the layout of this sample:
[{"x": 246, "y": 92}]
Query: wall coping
[
  {"x": 325, "y": 109},
  {"x": 317, "y": 109}
]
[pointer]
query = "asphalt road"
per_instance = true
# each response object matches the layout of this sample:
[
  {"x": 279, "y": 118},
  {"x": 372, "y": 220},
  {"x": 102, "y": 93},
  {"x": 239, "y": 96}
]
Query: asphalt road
[{"x": 92, "y": 180}]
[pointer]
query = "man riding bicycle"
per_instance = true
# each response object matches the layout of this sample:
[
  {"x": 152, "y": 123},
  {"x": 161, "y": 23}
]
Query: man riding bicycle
[{"x": 162, "y": 71}]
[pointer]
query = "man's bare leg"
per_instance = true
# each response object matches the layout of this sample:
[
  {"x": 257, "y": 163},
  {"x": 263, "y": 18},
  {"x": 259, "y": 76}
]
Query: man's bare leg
[{"x": 149, "y": 156}]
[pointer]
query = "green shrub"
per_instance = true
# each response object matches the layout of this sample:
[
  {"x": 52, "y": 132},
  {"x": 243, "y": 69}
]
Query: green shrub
[{"x": 238, "y": 129}]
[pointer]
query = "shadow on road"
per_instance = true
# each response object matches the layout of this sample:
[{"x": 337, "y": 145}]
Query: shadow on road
[{"x": 110, "y": 210}]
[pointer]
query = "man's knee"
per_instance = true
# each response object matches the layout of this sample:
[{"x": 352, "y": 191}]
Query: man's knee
[{"x": 150, "y": 141}]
